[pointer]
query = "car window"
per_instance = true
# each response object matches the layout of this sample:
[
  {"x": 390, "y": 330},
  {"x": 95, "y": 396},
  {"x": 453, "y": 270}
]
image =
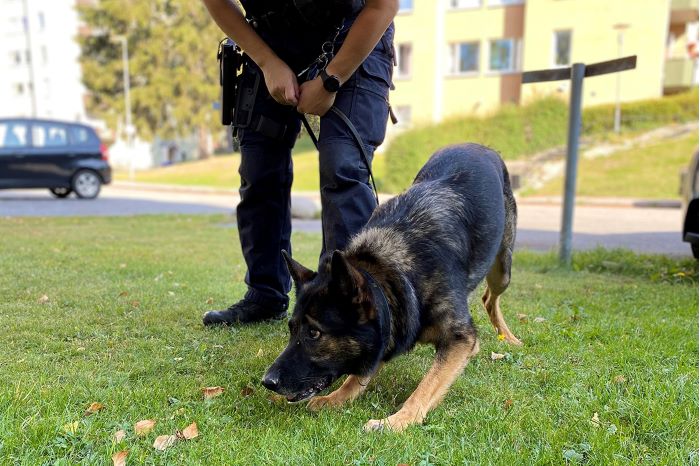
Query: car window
[
  {"x": 81, "y": 136},
  {"x": 13, "y": 135},
  {"x": 49, "y": 135}
]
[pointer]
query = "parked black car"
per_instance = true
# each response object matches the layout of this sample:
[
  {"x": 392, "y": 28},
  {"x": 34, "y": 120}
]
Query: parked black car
[
  {"x": 689, "y": 197},
  {"x": 63, "y": 157}
]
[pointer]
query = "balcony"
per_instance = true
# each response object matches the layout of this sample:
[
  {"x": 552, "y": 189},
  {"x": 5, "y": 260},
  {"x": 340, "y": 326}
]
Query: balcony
[
  {"x": 678, "y": 74},
  {"x": 684, "y": 11}
]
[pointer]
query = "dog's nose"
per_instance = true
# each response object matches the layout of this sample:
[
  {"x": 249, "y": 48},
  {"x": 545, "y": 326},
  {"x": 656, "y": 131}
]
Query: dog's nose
[{"x": 271, "y": 381}]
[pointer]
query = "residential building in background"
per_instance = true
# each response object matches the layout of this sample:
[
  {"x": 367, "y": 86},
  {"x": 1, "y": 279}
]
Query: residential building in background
[
  {"x": 41, "y": 74},
  {"x": 459, "y": 57}
]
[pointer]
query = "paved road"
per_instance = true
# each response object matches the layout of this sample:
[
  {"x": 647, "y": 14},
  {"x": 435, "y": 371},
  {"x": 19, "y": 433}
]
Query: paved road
[{"x": 651, "y": 230}]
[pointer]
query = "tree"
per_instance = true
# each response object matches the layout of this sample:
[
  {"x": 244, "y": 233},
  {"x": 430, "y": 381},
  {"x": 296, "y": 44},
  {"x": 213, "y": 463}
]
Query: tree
[{"x": 172, "y": 59}]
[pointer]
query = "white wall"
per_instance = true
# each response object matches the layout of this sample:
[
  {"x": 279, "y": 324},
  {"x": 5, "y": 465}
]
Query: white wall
[{"x": 52, "y": 26}]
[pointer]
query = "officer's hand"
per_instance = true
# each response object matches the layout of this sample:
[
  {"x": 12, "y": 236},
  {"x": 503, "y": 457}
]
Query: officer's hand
[
  {"x": 314, "y": 98},
  {"x": 281, "y": 82}
]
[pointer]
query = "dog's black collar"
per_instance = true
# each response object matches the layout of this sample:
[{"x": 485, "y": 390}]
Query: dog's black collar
[{"x": 383, "y": 308}]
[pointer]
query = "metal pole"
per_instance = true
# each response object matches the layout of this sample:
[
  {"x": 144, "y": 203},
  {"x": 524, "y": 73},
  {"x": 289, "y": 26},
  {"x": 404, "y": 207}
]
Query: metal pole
[
  {"x": 26, "y": 23},
  {"x": 577, "y": 72},
  {"x": 127, "y": 104},
  {"x": 620, "y": 39}
]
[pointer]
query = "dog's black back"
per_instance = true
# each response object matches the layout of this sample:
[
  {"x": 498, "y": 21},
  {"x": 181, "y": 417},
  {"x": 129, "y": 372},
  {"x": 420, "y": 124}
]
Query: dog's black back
[{"x": 443, "y": 235}]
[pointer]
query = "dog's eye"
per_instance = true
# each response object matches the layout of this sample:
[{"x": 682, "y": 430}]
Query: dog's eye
[{"x": 314, "y": 334}]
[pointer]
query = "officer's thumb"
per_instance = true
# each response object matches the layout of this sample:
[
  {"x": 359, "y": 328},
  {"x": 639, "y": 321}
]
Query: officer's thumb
[{"x": 291, "y": 94}]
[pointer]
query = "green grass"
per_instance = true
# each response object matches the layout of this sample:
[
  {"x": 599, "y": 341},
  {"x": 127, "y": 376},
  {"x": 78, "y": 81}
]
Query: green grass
[
  {"x": 517, "y": 132},
  {"x": 145, "y": 355},
  {"x": 650, "y": 172},
  {"x": 222, "y": 172}
]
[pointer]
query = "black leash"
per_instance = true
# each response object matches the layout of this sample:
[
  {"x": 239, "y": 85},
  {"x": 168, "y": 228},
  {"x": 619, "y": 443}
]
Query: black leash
[{"x": 355, "y": 136}]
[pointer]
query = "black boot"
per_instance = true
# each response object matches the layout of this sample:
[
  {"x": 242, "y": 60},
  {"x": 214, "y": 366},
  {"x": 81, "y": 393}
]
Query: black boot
[{"x": 245, "y": 312}]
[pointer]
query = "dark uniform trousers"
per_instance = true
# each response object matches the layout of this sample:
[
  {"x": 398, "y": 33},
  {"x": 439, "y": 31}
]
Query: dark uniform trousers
[{"x": 264, "y": 212}]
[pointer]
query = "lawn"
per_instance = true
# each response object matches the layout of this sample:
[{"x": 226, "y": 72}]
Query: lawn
[
  {"x": 222, "y": 172},
  {"x": 650, "y": 172},
  {"x": 108, "y": 310}
]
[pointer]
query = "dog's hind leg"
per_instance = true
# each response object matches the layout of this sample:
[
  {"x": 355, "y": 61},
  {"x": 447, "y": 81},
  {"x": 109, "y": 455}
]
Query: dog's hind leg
[
  {"x": 353, "y": 387},
  {"x": 448, "y": 365},
  {"x": 497, "y": 281}
]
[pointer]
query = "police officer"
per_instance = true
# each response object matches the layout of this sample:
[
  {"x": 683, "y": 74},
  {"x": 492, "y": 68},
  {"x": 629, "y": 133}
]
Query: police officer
[{"x": 281, "y": 39}]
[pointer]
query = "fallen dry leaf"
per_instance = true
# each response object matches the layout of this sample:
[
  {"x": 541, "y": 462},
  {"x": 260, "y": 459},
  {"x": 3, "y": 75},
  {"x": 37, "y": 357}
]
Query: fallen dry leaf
[
  {"x": 123, "y": 293},
  {"x": 94, "y": 408},
  {"x": 508, "y": 404},
  {"x": 190, "y": 432},
  {"x": 497, "y": 356},
  {"x": 122, "y": 266},
  {"x": 210, "y": 301},
  {"x": 144, "y": 427},
  {"x": 171, "y": 293},
  {"x": 247, "y": 391},
  {"x": 620, "y": 379},
  {"x": 135, "y": 303},
  {"x": 119, "y": 436},
  {"x": 595, "y": 421},
  {"x": 522, "y": 317},
  {"x": 119, "y": 458},
  {"x": 276, "y": 399},
  {"x": 259, "y": 353},
  {"x": 212, "y": 392},
  {"x": 43, "y": 300},
  {"x": 539, "y": 320},
  {"x": 218, "y": 346},
  {"x": 163, "y": 442}
]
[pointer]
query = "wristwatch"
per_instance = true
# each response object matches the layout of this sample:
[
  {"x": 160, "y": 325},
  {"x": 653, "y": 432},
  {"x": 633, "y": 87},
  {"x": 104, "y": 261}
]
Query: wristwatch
[{"x": 331, "y": 83}]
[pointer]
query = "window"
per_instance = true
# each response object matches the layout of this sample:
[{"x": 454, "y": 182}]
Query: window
[
  {"x": 404, "y": 60},
  {"x": 405, "y": 6},
  {"x": 562, "y": 48},
  {"x": 505, "y": 2},
  {"x": 42, "y": 21},
  {"x": 13, "y": 134},
  {"x": 49, "y": 135},
  {"x": 503, "y": 55},
  {"x": 16, "y": 57},
  {"x": 463, "y": 58},
  {"x": 80, "y": 135},
  {"x": 459, "y": 4}
]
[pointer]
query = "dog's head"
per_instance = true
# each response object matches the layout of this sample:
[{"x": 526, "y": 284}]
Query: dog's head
[{"x": 335, "y": 329}]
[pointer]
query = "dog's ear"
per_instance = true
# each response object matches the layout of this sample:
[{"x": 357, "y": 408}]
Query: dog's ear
[
  {"x": 346, "y": 278},
  {"x": 299, "y": 273}
]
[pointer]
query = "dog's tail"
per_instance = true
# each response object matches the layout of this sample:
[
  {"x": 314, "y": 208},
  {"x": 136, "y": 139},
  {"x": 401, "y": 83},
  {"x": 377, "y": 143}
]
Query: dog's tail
[{"x": 511, "y": 211}]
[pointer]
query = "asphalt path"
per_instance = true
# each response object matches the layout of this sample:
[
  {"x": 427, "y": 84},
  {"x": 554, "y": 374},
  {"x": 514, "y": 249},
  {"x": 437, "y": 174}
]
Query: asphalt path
[{"x": 642, "y": 229}]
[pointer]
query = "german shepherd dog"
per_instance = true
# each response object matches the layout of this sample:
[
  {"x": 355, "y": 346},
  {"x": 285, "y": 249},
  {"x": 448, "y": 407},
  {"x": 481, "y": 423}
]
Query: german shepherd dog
[{"x": 403, "y": 279}]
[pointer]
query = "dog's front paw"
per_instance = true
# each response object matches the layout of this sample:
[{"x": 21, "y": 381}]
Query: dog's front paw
[
  {"x": 392, "y": 423},
  {"x": 319, "y": 402}
]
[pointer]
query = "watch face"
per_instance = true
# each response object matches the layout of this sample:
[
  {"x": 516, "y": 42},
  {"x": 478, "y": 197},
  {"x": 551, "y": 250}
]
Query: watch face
[{"x": 331, "y": 84}]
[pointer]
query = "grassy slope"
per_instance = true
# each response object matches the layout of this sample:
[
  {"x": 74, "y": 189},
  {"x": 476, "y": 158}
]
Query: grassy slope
[
  {"x": 222, "y": 172},
  {"x": 646, "y": 172},
  {"x": 89, "y": 344}
]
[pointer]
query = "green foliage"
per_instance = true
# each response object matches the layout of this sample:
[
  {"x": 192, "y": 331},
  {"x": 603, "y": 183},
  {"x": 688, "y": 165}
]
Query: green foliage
[
  {"x": 516, "y": 132},
  {"x": 172, "y": 61}
]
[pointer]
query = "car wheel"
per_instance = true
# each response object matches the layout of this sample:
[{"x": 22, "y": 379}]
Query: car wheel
[
  {"x": 86, "y": 184},
  {"x": 60, "y": 192}
]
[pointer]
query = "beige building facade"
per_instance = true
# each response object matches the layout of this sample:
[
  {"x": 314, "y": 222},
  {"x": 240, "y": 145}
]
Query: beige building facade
[{"x": 458, "y": 57}]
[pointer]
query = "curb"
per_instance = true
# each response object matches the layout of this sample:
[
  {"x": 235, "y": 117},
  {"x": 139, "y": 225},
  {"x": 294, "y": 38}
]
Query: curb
[{"x": 315, "y": 196}]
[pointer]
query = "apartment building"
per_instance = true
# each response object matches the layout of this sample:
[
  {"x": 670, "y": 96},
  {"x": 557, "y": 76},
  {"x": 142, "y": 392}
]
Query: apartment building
[
  {"x": 39, "y": 55},
  {"x": 466, "y": 56}
]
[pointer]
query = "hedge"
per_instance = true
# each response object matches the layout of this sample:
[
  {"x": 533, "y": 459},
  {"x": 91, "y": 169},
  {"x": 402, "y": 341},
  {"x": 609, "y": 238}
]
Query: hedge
[{"x": 517, "y": 132}]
